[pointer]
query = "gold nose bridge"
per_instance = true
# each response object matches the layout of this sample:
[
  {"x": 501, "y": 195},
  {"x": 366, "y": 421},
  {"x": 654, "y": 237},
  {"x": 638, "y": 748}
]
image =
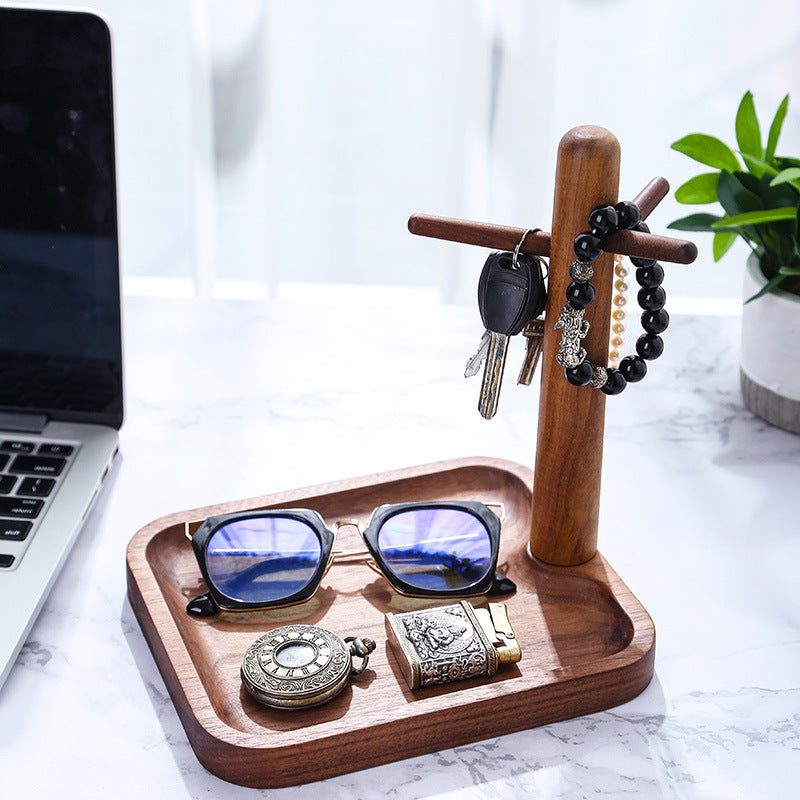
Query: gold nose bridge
[
  {"x": 343, "y": 523},
  {"x": 356, "y": 554}
]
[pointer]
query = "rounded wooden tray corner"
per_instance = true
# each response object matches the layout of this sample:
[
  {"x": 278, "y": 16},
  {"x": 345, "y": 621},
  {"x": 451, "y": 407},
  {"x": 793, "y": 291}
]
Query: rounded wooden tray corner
[{"x": 587, "y": 643}]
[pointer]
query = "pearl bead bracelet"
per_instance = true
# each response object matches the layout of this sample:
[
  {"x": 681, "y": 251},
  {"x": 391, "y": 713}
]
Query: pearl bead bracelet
[{"x": 581, "y": 293}]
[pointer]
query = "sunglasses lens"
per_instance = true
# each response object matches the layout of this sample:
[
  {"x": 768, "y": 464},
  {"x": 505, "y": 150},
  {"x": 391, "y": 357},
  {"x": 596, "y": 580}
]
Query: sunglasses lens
[
  {"x": 437, "y": 549},
  {"x": 263, "y": 559}
]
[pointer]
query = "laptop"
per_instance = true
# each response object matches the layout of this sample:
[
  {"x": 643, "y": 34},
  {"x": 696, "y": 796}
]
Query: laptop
[{"x": 61, "y": 402}]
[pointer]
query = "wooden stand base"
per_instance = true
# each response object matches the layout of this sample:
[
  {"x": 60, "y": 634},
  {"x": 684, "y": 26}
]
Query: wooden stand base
[{"x": 587, "y": 643}]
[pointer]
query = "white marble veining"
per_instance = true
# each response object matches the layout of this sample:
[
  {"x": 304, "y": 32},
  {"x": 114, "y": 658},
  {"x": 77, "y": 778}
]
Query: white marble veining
[{"x": 233, "y": 399}]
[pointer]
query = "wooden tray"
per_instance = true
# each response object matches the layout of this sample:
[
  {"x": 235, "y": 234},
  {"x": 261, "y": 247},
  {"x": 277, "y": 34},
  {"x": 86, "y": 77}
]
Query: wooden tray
[{"x": 587, "y": 643}]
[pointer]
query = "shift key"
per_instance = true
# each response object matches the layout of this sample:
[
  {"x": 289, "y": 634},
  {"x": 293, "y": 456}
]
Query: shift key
[
  {"x": 37, "y": 465},
  {"x": 14, "y": 530}
]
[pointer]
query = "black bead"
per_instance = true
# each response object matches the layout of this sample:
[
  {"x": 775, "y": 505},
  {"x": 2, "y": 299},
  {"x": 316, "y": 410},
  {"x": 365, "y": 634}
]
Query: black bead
[
  {"x": 616, "y": 382},
  {"x": 643, "y": 262},
  {"x": 580, "y": 295},
  {"x": 633, "y": 368},
  {"x": 650, "y": 277},
  {"x": 628, "y": 214},
  {"x": 603, "y": 220},
  {"x": 641, "y": 226},
  {"x": 580, "y": 375},
  {"x": 587, "y": 246},
  {"x": 649, "y": 346},
  {"x": 655, "y": 321},
  {"x": 652, "y": 299}
]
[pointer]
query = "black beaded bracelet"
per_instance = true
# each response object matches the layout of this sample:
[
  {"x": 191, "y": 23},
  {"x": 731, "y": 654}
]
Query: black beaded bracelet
[{"x": 581, "y": 293}]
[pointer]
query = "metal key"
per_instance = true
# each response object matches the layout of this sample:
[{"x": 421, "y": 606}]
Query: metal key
[
  {"x": 510, "y": 293},
  {"x": 534, "y": 339},
  {"x": 493, "y": 374},
  {"x": 474, "y": 362}
]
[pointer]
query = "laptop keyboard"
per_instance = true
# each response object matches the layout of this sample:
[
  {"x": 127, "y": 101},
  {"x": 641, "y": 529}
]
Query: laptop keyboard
[{"x": 30, "y": 474}]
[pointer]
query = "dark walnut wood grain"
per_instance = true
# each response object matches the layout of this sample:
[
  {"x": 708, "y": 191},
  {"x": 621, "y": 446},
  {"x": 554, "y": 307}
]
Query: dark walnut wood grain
[
  {"x": 569, "y": 449},
  {"x": 587, "y": 643}
]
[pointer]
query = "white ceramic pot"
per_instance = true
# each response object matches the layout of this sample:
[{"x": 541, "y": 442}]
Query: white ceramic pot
[{"x": 770, "y": 360}]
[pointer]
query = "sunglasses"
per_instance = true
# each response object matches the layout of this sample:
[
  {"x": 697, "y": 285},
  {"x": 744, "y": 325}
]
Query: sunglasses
[{"x": 278, "y": 557}]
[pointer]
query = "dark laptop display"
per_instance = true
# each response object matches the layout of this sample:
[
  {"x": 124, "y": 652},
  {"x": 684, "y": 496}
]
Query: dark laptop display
[{"x": 60, "y": 338}]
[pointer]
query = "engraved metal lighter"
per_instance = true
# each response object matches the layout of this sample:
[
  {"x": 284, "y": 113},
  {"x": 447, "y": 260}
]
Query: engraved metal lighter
[{"x": 452, "y": 643}]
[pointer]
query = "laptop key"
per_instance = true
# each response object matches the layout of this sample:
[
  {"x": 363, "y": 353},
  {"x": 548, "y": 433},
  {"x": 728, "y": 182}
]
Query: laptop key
[
  {"x": 14, "y": 530},
  {"x": 3, "y": 460},
  {"x": 55, "y": 450},
  {"x": 7, "y": 483},
  {"x": 11, "y": 446},
  {"x": 26, "y": 507},
  {"x": 36, "y": 487},
  {"x": 37, "y": 465},
  {"x": 6, "y": 560}
]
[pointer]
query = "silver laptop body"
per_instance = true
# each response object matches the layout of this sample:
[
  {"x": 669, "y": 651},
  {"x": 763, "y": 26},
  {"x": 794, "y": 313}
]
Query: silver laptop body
[{"x": 61, "y": 402}]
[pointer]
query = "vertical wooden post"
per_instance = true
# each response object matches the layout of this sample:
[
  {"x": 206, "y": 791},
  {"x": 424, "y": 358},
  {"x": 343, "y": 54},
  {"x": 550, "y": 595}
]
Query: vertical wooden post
[{"x": 569, "y": 448}]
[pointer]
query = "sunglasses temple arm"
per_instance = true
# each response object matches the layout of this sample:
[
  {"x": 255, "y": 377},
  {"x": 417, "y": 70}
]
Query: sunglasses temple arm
[
  {"x": 502, "y": 585},
  {"x": 203, "y": 605}
]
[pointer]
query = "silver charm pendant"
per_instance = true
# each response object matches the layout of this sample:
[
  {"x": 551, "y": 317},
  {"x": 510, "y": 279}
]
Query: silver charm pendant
[{"x": 573, "y": 328}]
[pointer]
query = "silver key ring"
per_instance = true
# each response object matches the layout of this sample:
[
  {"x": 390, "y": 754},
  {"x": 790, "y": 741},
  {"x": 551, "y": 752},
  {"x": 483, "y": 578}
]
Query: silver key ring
[{"x": 514, "y": 264}]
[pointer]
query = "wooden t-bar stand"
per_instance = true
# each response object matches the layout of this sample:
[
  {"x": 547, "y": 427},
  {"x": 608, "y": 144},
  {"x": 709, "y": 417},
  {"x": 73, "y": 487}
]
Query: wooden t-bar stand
[
  {"x": 587, "y": 643},
  {"x": 569, "y": 449}
]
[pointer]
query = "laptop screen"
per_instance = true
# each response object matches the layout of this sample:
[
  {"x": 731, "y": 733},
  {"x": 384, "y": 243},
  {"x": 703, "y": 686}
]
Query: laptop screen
[{"x": 60, "y": 337}]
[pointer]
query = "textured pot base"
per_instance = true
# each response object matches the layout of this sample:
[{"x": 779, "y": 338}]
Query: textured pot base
[{"x": 775, "y": 409}]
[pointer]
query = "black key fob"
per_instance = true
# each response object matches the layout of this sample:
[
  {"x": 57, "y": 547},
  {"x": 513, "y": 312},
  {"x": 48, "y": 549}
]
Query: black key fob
[{"x": 508, "y": 296}]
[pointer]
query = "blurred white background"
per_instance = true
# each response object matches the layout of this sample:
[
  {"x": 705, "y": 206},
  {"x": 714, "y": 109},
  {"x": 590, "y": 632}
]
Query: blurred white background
[{"x": 268, "y": 145}]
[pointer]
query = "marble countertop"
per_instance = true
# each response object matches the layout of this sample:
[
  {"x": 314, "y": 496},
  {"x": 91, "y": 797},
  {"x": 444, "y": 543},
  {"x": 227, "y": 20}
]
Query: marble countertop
[{"x": 233, "y": 399}]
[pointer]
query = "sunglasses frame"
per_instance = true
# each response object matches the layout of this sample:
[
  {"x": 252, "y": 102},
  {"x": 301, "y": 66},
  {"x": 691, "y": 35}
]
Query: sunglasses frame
[
  {"x": 210, "y": 526},
  {"x": 314, "y": 520},
  {"x": 385, "y": 512}
]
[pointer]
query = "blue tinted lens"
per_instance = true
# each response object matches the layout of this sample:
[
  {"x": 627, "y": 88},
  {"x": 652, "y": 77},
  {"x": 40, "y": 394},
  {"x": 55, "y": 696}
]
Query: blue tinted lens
[
  {"x": 439, "y": 549},
  {"x": 263, "y": 559}
]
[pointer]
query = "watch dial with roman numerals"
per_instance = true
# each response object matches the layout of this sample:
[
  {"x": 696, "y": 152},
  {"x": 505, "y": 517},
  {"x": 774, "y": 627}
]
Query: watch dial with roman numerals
[{"x": 296, "y": 666}]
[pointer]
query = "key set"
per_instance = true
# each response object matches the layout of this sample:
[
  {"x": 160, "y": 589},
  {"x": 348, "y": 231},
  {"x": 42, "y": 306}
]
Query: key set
[{"x": 511, "y": 298}]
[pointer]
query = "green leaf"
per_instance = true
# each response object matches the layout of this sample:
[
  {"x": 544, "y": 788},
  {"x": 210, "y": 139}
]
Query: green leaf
[
  {"x": 775, "y": 129},
  {"x": 789, "y": 271},
  {"x": 756, "y": 217},
  {"x": 750, "y": 182},
  {"x": 781, "y": 196},
  {"x": 735, "y": 195},
  {"x": 695, "y": 222},
  {"x": 748, "y": 132},
  {"x": 771, "y": 284},
  {"x": 757, "y": 166},
  {"x": 700, "y": 189},
  {"x": 707, "y": 150},
  {"x": 723, "y": 241},
  {"x": 789, "y": 175}
]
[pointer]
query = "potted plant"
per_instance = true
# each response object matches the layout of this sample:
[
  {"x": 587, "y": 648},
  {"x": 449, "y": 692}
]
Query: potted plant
[{"x": 759, "y": 193}]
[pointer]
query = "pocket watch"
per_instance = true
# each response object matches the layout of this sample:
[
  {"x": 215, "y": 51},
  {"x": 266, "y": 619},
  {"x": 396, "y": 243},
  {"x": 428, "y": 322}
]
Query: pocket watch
[{"x": 302, "y": 666}]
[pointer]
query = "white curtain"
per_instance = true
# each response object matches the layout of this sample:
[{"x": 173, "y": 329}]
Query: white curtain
[
  {"x": 266, "y": 144},
  {"x": 333, "y": 121}
]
